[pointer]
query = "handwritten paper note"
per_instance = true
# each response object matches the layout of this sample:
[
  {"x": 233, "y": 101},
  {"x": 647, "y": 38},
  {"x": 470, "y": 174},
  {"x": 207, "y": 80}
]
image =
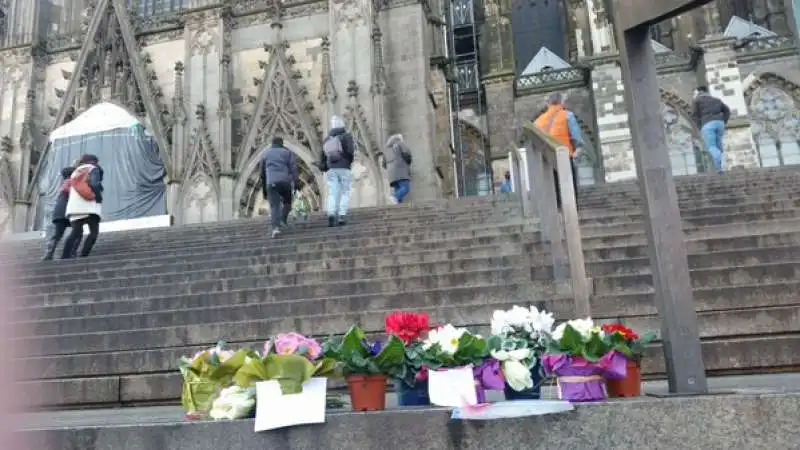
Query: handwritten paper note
[
  {"x": 452, "y": 387},
  {"x": 275, "y": 410}
]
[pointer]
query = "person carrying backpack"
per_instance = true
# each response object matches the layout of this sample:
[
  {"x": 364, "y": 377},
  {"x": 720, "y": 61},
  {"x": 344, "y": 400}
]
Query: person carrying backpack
[
  {"x": 59, "y": 217},
  {"x": 338, "y": 153},
  {"x": 279, "y": 177},
  {"x": 397, "y": 162},
  {"x": 85, "y": 205}
]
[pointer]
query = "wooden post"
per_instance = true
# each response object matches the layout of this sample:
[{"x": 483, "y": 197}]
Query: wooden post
[{"x": 666, "y": 241}]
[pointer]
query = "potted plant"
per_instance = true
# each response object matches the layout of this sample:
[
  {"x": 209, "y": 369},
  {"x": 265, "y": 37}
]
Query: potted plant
[
  {"x": 366, "y": 365},
  {"x": 205, "y": 375},
  {"x": 448, "y": 347},
  {"x": 580, "y": 357},
  {"x": 519, "y": 339},
  {"x": 411, "y": 329},
  {"x": 632, "y": 346}
]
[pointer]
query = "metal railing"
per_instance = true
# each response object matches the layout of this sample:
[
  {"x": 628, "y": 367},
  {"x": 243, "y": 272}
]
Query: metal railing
[{"x": 542, "y": 157}]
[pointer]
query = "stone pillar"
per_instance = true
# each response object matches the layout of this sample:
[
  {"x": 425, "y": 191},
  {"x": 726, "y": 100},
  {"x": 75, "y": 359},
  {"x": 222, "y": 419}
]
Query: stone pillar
[
  {"x": 613, "y": 129},
  {"x": 600, "y": 29},
  {"x": 724, "y": 80},
  {"x": 498, "y": 73}
]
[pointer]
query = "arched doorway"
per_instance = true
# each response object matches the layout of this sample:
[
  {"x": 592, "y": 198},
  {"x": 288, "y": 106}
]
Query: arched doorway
[{"x": 248, "y": 191}]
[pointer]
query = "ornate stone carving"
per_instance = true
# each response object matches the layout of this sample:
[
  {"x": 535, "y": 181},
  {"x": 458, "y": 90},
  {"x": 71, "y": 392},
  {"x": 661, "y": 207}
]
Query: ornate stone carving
[
  {"x": 349, "y": 13},
  {"x": 327, "y": 90},
  {"x": 282, "y": 107},
  {"x": 201, "y": 160}
]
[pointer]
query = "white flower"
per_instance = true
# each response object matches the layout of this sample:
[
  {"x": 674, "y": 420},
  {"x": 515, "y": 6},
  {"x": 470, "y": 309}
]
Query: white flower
[
  {"x": 517, "y": 375},
  {"x": 447, "y": 337},
  {"x": 541, "y": 322},
  {"x": 582, "y": 326},
  {"x": 512, "y": 355},
  {"x": 499, "y": 323},
  {"x": 233, "y": 403}
]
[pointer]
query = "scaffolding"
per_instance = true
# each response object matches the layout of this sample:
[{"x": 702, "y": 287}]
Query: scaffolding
[{"x": 472, "y": 167}]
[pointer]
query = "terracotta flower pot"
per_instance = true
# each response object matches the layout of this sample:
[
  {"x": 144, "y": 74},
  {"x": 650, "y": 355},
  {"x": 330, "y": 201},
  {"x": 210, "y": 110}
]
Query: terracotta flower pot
[
  {"x": 367, "y": 393},
  {"x": 630, "y": 386}
]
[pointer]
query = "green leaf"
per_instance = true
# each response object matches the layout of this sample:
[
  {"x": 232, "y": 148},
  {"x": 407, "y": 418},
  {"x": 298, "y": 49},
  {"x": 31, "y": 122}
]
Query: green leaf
[
  {"x": 572, "y": 341},
  {"x": 291, "y": 371},
  {"x": 352, "y": 344},
  {"x": 595, "y": 348},
  {"x": 325, "y": 367},
  {"x": 391, "y": 356}
]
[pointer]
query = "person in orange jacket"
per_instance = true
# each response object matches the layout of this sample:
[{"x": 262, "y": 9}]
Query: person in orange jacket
[{"x": 562, "y": 125}]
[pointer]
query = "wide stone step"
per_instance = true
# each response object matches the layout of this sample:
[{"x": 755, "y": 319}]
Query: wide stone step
[
  {"x": 266, "y": 277},
  {"x": 694, "y": 223},
  {"x": 694, "y": 202},
  {"x": 265, "y": 245},
  {"x": 750, "y": 321},
  {"x": 789, "y": 186},
  {"x": 706, "y": 181},
  {"x": 718, "y": 298},
  {"x": 113, "y": 242},
  {"x": 611, "y": 217},
  {"x": 263, "y": 266},
  {"x": 271, "y": 292},
  {"x": 737, "y": 257},
  {"x": 708, "y": 277},
  {"x": 637, "y": 248}
]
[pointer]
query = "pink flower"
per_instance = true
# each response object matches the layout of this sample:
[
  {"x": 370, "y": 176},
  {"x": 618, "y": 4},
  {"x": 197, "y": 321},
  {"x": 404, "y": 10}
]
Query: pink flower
[
  {"x": 295, "y": 343},
  {"x": 267, "y": 348}
]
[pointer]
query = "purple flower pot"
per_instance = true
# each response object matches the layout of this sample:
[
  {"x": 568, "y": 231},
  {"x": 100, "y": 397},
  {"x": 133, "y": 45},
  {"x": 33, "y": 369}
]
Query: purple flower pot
[{"x": 581, "y": 381}]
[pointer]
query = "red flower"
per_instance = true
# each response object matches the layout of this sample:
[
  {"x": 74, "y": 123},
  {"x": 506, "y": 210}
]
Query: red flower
[
  {"x": 408, "y": 327},
  {"x": 422, "y": 376},
  {"x": 626, "y": 332}
]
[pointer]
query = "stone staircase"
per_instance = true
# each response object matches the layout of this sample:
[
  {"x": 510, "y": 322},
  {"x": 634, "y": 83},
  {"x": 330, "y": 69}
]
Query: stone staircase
[{"x": 108, "y": 330}]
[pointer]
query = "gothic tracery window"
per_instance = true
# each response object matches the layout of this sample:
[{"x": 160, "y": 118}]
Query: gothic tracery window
[
  {"x": 775, "y": 126},
  {"x": 156, "y": 7},
  {"x": 683, "y": 143}
]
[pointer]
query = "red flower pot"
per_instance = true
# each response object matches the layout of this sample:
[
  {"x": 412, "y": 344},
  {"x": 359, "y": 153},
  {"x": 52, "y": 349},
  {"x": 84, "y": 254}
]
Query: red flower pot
[
  {"x": 367, "y": 393},
  {"x": 630, "y": 386}
]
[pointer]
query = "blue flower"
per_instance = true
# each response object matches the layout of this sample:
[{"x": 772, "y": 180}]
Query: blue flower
[{"x": 374, "y": 349}]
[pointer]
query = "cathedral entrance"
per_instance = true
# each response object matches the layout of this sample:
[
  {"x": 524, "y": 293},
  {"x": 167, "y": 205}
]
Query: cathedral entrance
[{"x": 309, "y": 196}]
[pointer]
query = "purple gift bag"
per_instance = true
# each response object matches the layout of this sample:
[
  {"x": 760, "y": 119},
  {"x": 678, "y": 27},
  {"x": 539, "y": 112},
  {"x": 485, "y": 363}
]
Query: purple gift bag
[
  {"x": 581, "y": 381},
  {"x": 488, "y": 377}
]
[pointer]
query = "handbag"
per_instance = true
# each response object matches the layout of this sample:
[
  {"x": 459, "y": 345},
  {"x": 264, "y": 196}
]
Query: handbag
[{"x": 81, "y": 185}]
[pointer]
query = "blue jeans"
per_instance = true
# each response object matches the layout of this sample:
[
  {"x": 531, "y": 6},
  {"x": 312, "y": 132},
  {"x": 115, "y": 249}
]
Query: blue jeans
[
  {"x": 401, "y": 190},
  {"x": 340, "y": 184},
  {"x": 712, "y": 136}
]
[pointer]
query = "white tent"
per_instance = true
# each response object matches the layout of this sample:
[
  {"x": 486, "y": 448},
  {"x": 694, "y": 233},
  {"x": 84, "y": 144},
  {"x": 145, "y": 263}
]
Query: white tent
[
  {"x": 98, "y": 118},
  {"x": 133, "y": 171}
]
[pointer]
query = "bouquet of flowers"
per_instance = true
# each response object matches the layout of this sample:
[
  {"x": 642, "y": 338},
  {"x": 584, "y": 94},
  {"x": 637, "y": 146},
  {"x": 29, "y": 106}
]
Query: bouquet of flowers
[
  {"x": 448, "y": 347},
  {"x": 580, "y": 356},
  {"x": 205, "y": 375},
  {"x": 291, "y": 359},
  {"x": 627, "y": 341},
  {"x": 519, "y": 338}
]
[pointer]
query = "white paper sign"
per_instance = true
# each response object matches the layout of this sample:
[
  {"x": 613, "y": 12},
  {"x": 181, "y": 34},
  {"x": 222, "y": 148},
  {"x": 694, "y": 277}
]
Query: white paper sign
[
  {"x": 452, "y": 387},
  {"x": 275, "y": 410}
]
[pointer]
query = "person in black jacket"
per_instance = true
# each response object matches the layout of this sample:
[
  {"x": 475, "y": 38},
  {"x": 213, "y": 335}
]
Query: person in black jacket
[
  {"x": 59, "y": 217},
  {"x": 338, "y": 154},
  {"x": 711, "y": 115},
  {"x": 280, "y": 176}
]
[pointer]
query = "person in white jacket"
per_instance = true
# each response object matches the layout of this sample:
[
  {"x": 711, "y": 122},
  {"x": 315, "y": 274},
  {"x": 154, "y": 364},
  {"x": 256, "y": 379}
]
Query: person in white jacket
[{"x": 82, "y": 211}]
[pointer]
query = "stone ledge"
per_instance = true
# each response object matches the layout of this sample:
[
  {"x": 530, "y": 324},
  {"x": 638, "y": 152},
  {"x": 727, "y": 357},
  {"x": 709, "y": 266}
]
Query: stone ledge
[{"x": 738, "y": 422}]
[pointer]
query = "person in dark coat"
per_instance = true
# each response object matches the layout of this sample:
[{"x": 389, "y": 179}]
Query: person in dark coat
[
  {"x": 280, "y": 177},
  {"x": 59, "y": 217}
]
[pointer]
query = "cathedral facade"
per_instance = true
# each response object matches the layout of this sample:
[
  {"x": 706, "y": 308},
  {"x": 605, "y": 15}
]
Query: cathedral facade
[{"x": 214, "y": 80}]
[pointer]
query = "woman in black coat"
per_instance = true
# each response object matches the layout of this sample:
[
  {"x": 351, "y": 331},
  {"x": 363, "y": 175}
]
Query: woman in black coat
[{"x": 60, "y": 220}]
